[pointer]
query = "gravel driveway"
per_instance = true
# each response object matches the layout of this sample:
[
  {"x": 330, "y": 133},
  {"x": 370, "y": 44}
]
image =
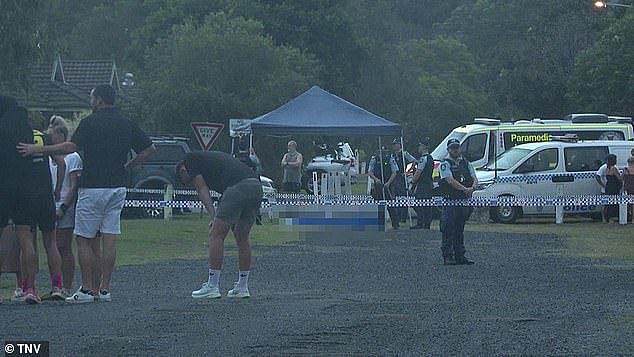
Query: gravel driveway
[{"x": 356, "y": 295}]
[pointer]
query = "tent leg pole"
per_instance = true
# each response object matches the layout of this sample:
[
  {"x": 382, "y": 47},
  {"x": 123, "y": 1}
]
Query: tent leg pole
[{"x": 409, "y": 214}]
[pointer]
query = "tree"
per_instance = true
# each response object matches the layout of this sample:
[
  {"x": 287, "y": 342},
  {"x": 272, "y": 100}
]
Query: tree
[
  {"x": 429, "y": 86},
  {"x": 20, "y": 43},
  {"x": 323, "y": 28},
  {"x": 526, "y": 48},
  {"x": 224, "y": 68},
  {"x": 603, "y": 77}
]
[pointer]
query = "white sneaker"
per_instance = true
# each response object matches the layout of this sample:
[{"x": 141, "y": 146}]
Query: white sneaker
[
  {"x": 238, "y": 292},
  {"x": 206, "y": 291},
  {"x": 81, "y": 297},
  {"x": 18, "y": 295},
  {"x": 105, "y": 297}
]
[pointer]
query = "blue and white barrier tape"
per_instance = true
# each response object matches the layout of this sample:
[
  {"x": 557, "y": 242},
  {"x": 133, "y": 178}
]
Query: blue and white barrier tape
[{"x": 435, "y": 202}]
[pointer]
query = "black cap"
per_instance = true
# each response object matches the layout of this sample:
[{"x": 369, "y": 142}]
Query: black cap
[
  {"x": 424, "y": 141},
  {"x": 396, "y": 141},
  {"x": 452, "y": 142}
]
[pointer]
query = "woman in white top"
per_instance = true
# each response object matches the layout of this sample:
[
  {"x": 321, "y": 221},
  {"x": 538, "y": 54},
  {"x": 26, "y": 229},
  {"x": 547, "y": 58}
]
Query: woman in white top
[{"x": 65, "y": 203}]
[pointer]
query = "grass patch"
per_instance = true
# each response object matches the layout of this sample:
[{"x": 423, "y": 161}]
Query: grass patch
[
  {"x": 361, "y": 186},
  {"x": 153, "y": 240},
  {"x": 582, "y": 237},
  {"x": 185, "y": 237}
]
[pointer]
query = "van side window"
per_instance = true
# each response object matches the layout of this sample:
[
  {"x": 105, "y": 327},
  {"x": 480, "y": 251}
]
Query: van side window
[
  {"x": 474, "y": 147},
  {"x": 585, "y": 158},
  {"x": 544, "y": 160}
]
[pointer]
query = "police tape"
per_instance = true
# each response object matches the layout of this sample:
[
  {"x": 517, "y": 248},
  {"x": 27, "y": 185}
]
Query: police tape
[
  {"x": 431, "y": 202},
  {"x": 162, "y": 191},
  {"x": 279, "y": 196},
  {"x": 213, "y": 194}
]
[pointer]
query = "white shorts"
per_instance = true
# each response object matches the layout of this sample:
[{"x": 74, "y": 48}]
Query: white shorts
[
  {"x": 99, "y": 209},
  {"x": 68, "y": 219}
]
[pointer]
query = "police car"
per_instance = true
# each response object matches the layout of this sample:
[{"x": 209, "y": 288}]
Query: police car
[
  {"x": 487, "y": 138},
  {"x": 552, "y": 168}
]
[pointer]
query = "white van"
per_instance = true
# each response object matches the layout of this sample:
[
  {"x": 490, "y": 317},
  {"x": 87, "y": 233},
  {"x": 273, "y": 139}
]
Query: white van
[
  {"x": 547, "y": 169},
  {"x": 487, "y": 138}
]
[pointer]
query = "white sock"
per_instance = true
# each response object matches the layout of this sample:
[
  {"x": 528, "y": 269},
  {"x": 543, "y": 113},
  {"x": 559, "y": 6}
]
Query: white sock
[
  {"x": 214, "y": 277},
  {"x": 243, "y": 279}
]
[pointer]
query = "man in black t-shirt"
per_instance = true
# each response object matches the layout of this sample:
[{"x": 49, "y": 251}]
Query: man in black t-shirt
[
  {"x": 240, "y": 201},
  {"x": 104, "y": 140}
]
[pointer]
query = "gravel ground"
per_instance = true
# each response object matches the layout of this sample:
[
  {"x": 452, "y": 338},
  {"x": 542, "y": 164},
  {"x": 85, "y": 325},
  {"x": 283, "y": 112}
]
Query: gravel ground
[{"x": 356, "y": 295}]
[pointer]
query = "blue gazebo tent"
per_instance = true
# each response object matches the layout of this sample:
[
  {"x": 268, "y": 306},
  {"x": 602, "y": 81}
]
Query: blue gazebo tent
[{"x": 317, "y": 112}]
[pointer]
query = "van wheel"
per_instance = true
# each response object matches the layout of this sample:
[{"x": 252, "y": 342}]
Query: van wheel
[{"x": 505, "y": 214}]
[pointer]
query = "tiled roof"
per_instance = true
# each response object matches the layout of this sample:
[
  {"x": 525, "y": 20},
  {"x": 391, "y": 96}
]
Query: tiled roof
[
  {"x": 57, "y": 96},
  {"x": 88, "y": 74},
  {"x": 65, "y": 86}
]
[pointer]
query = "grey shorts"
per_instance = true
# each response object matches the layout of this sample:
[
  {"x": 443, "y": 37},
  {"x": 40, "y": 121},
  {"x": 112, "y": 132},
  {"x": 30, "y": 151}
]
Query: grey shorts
[{"x": 241, "y": 202}]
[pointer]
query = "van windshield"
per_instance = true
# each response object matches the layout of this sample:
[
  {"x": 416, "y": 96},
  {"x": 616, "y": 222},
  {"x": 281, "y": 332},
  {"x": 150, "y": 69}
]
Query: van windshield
[
  {"x": 440, "y": 152},
  {"x": 506, "y": 160}
]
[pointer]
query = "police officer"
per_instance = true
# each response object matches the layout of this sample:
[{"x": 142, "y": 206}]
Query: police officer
[
  {"x": 424, "y": 184},
  {"x": 457, "y": 181},
  {"x": 383, "y": 171},
  {"x": 397, "y": 187}
]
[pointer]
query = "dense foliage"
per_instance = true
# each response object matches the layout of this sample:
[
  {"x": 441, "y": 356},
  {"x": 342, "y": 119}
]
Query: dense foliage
[{"x": 429, "y": 65}]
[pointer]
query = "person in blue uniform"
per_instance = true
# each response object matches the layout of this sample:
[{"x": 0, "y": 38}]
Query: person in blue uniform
[
  {"x": 383, "y": 171},
  {"x": 457, "y": 181},
  {"x": 424, "y": 184},
  {"x": 398, "y": 186}
]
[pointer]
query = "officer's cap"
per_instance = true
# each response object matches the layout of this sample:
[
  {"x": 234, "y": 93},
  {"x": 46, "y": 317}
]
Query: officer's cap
[
  {"x": 396, "y": 141},
  {"x": 453, "y": 142}
]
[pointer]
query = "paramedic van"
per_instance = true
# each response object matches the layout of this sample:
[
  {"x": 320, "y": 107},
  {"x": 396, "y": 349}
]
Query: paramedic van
[
  {"x": 487, "y": 138},
  {"x": 547, "y": 169}
]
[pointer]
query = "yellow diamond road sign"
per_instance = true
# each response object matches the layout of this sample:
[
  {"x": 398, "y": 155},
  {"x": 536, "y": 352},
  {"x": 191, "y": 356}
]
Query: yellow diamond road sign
[{"x": 206, "y": 133}]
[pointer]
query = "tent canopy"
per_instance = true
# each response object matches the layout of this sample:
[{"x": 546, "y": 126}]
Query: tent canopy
[{"x": 317, "y": 112}]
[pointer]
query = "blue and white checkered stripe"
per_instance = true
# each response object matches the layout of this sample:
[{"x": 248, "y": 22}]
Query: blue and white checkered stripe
[
  {"x": 431, "y": 202},
  {"x": 543, "y": 177}
]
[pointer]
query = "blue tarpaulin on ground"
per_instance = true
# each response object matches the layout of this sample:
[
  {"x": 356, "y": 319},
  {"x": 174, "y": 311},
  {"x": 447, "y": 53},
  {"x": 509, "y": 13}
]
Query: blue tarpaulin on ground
[{"x": 317, "y": 112}]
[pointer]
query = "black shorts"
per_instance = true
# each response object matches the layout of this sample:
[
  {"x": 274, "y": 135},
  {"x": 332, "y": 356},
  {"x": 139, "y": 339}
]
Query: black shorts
[{"x": 28, "y": 209}]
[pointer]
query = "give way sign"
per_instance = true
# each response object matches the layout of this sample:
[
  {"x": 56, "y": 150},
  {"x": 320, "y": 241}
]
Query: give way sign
[{"x": 206, "y": 133}]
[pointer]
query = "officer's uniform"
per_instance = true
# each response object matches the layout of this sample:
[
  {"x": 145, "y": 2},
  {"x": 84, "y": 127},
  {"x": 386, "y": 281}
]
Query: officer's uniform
[
  {"x": 383, "y": 169},
  {"x": 398, "y": 187},
  {"x": 454, "y": 217},
  {"x": 423, "y": 190}
]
